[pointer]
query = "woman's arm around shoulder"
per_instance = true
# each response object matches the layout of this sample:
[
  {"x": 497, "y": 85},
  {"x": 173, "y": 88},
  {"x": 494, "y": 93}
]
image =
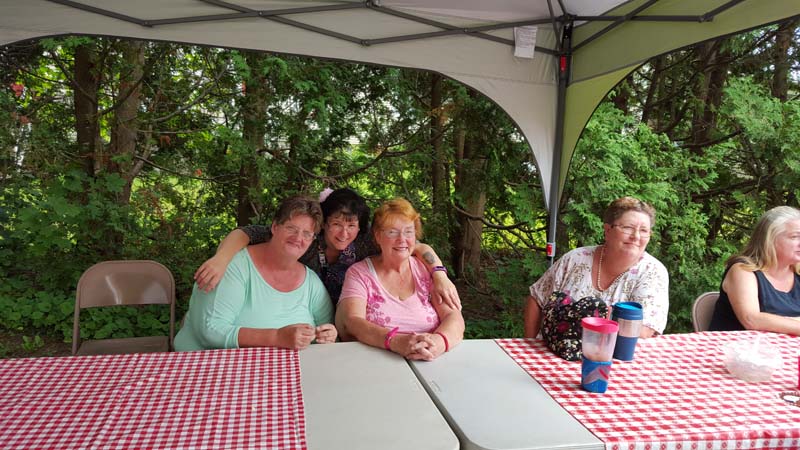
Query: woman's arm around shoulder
[
  {"x": 214, "y": 313},
  {"x": 209, "y": 274},
  {"x": 443, "y": 289}
]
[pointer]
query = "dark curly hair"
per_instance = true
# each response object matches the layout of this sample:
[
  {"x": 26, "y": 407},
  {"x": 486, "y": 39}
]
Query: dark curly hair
[{"x": 347, "y": 203}]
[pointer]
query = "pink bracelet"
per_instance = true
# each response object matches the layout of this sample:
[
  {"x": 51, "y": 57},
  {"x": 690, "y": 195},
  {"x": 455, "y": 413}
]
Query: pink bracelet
[
  {"x": 388, "y": 339},
  {"x": 446, "y": 344}
]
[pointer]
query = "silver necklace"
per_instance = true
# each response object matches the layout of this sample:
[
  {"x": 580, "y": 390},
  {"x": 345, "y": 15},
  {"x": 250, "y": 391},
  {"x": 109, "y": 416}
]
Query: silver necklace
[{"x": 600, "y": 269}]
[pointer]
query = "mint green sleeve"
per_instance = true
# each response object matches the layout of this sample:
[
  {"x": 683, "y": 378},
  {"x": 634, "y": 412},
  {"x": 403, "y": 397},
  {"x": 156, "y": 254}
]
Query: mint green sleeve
[
  {"x": 320, "y": 301},
  {"x": 217, "y": 327}
]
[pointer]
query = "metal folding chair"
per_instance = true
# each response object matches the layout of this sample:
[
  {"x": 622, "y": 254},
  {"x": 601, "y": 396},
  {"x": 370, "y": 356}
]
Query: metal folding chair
[
  {"x": 112, "y": 283},
  {"x": 702, "y": 309}
]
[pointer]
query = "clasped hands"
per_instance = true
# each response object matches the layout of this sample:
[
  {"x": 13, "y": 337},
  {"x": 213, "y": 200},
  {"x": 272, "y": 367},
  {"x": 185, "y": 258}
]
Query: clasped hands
[
  {"x": 300, "y": 335},
  {"x": 422, "y": 346}
]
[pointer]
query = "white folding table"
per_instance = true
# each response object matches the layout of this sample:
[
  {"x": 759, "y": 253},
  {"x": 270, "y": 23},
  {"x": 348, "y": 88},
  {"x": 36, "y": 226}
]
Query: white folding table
[
  {"x": 492, "y": 403},
  {"x": 360, "y": 397}
]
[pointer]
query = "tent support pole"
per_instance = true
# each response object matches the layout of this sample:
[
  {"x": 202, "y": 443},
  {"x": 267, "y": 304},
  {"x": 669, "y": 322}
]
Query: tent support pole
[{"x": 564, "y": 62}]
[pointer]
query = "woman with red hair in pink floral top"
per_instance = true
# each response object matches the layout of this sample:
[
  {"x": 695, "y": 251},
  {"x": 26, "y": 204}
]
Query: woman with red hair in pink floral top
[{"x": 386, "y": 299}]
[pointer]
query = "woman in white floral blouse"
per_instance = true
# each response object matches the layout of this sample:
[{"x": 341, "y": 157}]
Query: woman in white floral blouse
[{"x": 618, "y": 270}]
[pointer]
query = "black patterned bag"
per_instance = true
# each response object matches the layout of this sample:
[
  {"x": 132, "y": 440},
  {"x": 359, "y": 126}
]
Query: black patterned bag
[{"x": 561, "y": 322}]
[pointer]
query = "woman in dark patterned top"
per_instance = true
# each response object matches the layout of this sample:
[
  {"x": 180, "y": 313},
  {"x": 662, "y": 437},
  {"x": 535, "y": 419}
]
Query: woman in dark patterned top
[{"x": 344, "y": 240}]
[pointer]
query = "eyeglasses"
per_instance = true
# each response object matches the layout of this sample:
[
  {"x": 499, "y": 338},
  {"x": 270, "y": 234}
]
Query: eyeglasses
[
  {"x": 337, "y": 227},
  {"x": 292, "y": 230},
  {"x": 394, "y": 233},
  {"x": 629, "y": 230}
]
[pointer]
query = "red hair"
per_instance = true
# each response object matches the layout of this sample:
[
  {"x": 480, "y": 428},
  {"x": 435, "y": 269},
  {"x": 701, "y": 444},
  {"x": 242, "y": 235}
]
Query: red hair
[{"x": 398, "y": 207}]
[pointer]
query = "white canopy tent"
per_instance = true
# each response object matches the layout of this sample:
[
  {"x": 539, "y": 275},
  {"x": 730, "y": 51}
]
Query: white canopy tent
[{"x": 583, "y": 48}]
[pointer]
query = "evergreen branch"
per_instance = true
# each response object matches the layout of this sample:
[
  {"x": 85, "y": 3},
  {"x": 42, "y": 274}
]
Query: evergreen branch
[
  {"x": 713, "y": 141},
  {"x": 183, "y": 175},
  {"x": 487, "y": 223}
]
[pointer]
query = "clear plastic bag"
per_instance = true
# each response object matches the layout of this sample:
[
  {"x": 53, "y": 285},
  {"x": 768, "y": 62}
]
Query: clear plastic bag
[{"x": 751, "y": 360}]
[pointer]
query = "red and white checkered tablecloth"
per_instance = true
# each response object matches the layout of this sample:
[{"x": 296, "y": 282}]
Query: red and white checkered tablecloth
[
  {"x": 676, "y": 394},
  {"x": 216, "y": 399}
]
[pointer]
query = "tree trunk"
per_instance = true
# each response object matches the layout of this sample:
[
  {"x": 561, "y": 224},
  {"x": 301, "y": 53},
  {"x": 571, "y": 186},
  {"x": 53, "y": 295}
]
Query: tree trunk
[
  {"x": 438, "y": 167},
  {"x": 714, "y": 63},
  {"x": 649, "y": 113},
  {"x": 470, "y": 190},
  {"x": 781, "y": 59},
  {"x": 623, "y": 94},
  {"x": 84, "y": 94},
  {"x": 98, "y": 240},
  {"x": 562, "y": 233},
  {"x": 253, "y": 132},
  {"x": 774, "y": 189},
  {"x": 122, "y": 147},
  {"x": 456, "y": 241}
]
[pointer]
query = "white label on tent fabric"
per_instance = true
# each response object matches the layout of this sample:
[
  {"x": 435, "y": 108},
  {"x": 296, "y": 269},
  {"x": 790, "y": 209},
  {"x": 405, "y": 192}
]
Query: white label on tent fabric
[{"x": 524, "y": 41}]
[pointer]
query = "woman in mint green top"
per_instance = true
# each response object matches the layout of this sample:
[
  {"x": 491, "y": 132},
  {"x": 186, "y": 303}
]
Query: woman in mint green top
[{"x": 266, "y": 297}]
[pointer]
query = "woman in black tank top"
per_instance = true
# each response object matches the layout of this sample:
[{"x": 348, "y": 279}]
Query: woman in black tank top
[{"x": 760, "y": 289}]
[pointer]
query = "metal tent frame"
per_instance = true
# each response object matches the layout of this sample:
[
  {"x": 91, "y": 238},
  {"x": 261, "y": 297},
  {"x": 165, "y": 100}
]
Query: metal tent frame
[{"x": 588, "y": 45}]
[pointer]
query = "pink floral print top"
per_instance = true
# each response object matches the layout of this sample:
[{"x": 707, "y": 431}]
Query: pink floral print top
[{"x": 414, "y": 314}]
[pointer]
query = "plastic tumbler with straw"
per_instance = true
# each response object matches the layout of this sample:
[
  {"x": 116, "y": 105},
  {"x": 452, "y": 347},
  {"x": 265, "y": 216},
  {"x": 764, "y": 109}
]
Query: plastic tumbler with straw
[{"x": 597, "y": 342}]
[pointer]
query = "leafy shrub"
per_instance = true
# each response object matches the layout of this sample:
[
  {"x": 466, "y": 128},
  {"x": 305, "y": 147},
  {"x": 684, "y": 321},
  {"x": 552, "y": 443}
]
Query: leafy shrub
[
  {"x": 53, "y": 234},
  {"x": 32, "y": 344}
]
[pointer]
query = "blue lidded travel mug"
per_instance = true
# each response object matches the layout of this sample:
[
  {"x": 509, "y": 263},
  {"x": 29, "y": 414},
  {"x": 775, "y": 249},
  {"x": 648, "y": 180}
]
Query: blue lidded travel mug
[{"x": 629, "y": 317}]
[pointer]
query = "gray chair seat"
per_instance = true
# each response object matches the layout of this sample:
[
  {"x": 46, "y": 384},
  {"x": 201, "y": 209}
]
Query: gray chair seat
[{"x": 148, "y": 344}]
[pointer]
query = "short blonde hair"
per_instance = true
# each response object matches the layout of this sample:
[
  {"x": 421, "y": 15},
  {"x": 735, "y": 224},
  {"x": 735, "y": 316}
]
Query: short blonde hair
[
  {"x": 620, "y": 206},
  {"x": 759, "y": 253},
  {"x": 398, "y": 207}
]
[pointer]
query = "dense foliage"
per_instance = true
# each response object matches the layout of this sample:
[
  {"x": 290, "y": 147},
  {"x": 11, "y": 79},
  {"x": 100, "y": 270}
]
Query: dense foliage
[{"x": 119, "y": 149}]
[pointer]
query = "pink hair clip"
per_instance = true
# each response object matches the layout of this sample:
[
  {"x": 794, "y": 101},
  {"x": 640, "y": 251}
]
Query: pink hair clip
[{"x": 324, "y": 194}]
